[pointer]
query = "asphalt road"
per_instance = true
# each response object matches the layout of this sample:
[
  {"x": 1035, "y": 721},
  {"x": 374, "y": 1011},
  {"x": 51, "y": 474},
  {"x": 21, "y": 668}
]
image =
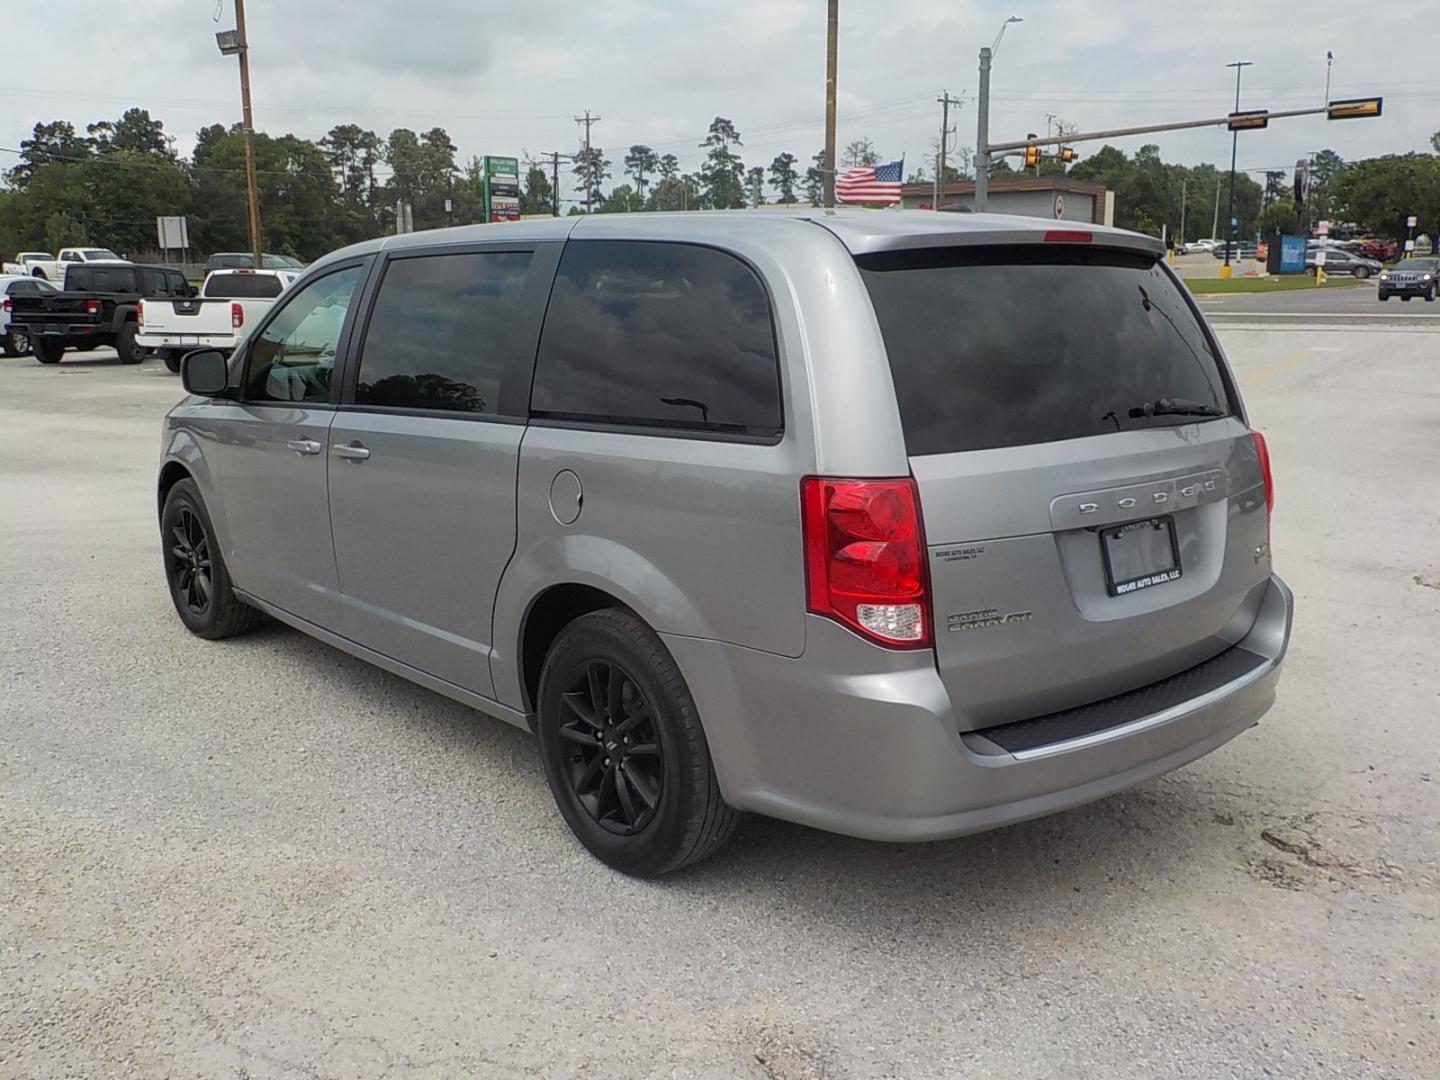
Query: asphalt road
[
  {"x": 262, "y": 858},
  {"x": 1348, "y": 308}
]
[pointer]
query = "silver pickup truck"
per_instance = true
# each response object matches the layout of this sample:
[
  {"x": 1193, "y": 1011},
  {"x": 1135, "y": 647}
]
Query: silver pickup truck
[{"x": 229, "y": 304}]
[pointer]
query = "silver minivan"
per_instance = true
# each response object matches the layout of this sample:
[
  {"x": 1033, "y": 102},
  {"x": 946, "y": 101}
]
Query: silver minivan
[{"x": 898, "y": 524}]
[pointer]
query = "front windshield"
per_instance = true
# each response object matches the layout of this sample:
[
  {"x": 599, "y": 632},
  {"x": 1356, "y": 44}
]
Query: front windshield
[{"x": 1421, "y": 266}]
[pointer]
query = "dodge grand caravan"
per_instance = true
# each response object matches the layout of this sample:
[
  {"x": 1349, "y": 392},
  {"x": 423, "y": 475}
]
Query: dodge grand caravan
[{"x": 901, "y": 525}]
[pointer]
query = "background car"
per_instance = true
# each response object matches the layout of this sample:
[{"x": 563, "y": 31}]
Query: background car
[
  {"x": 1340, "y": 261},
  {"x": 1242, "y": 249},
  {"x": 1407, "y": 278},
  {"x": 18, "y": 344},
  {"x": 244, "y": 260}
]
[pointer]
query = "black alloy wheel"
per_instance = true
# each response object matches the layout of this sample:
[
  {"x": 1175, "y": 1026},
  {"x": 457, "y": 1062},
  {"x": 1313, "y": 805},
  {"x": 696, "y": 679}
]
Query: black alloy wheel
[
  {"x": 190, "y": 566},
  {"x": 624, "y": 752},
  {"x": 195, "y": 568},
  {"x": 615, "y": 767}
]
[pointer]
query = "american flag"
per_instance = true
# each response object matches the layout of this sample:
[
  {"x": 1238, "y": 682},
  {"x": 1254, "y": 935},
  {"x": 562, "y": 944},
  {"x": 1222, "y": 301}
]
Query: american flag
[{"x": 871, "y": 183}]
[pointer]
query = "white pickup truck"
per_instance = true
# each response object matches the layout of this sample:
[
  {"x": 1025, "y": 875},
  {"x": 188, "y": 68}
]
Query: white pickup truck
[
  {"x": 40, "y": 264},
  {"x": 230, "y": 303}
]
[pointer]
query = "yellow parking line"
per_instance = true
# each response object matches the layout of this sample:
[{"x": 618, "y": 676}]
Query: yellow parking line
[{"x": 1283, "y": 364}]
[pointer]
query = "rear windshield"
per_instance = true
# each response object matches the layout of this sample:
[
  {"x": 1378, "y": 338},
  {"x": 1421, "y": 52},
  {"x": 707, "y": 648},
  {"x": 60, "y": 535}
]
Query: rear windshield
[
  {"x": 995, "y": 347},
  {"x": 243, "y": 286},
  {"x": 84, "y": 278}
]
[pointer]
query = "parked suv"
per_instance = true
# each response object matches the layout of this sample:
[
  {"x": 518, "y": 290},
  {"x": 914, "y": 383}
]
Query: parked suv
[{"x": 901, "y": 525}]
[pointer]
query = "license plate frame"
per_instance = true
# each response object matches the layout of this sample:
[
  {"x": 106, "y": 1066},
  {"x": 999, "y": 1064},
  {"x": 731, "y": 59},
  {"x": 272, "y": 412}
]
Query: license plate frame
[{"x": 1154, "y": 574}]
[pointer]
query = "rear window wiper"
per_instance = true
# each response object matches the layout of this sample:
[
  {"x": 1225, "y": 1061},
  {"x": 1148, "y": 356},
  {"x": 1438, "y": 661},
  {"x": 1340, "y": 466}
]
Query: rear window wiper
[{"x": 1175, "y": 407}]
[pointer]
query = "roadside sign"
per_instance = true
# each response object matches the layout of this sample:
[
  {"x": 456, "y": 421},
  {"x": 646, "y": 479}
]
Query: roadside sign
[
  {"x": 173, "y": 233},
  {"x": 1322, "y": 229},
  {"x": 1409, "y": 245},
  {"x": 502, "y": 189},
  {"x": 1412, "y": 221},
  {"x": 1059, "y": 205},
  {"x": 1320, "y": 257}
]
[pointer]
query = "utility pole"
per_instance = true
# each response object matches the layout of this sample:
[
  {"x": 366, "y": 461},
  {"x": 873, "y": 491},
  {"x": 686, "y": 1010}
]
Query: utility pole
[
  {"x": 1215, "y": 221},
  {"x": 1239, "y": 66},
  {"x": 1183, "y": 182},
  {"x": 832, "y": 35},
  {"x": 982, "y": 134},
  {"x": 588, "y": 120},
  {"x": 248, "y": 128},
  {"x": 945, "y": 102},
  {"x": 555, "y": 156}
]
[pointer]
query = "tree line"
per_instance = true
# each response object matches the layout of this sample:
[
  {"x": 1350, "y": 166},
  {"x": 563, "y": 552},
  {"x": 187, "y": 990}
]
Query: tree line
[{"x": 107, "y": 186}]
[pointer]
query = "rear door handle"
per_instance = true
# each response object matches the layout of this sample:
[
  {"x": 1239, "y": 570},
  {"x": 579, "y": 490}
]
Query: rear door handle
[
  {"x": 304, "y": 446},
  {"x": 351, "y": 451}
]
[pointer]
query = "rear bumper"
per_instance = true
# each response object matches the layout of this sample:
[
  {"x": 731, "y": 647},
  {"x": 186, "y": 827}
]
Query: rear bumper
[
  {"x": 224, "y": 342},
  {"x": 68, "y": 331},
  {"x": 877, "y": 754}
]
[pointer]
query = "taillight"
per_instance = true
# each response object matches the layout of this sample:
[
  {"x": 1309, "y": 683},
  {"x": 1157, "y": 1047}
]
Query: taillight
[
  {"x": 237, "y": 316},
  {"x": 1069, "y": 236},
  {"x": 92, "y": 307},
  {"x": 1263, "y": 452},
  {"x": 7, "y": 305},
  {"x": 140, "y": 314},
  {"x": 865, "y": 557}
]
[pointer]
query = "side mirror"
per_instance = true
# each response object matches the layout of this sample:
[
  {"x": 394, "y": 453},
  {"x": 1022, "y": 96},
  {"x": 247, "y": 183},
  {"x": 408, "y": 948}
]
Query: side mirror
[
  {"x": 191, "y": 291},
  {"x": 204, "y": 372}
]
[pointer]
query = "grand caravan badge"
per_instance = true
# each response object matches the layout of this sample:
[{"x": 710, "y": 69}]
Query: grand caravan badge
[{"x": 984, "y": 618}]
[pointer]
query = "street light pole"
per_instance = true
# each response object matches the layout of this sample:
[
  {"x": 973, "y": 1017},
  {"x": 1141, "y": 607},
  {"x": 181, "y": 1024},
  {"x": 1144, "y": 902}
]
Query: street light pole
[
  {"x": 1239, "y": 66},
  {"x": 248, "y": 128},
  {"x": 982, "y": 120}
]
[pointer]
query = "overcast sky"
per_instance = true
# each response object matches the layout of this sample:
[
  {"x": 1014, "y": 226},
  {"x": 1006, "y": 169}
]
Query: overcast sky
[{"x": 508, "y": 76}]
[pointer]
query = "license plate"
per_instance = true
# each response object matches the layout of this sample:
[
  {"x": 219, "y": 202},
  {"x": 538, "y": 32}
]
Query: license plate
[
  {"x": 1140, "y": 554},
  {"x": 189, "y": 339}
]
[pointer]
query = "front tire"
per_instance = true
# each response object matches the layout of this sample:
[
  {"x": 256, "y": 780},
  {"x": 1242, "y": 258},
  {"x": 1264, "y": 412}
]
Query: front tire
[
  {"x": 126, "y": 345},
  {"x": 195, "y": 569},
  {"x": 47, "y": 350},
  {"x": 1384, "y": 296},
  {"x": 623, "y": 749}
]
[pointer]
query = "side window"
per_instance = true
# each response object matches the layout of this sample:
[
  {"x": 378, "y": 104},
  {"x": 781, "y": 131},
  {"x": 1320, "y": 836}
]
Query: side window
[
  {"x": 440, "y": 333},
  {"x": 658, "y": 335},
  {"x": 293, "y": 357}
]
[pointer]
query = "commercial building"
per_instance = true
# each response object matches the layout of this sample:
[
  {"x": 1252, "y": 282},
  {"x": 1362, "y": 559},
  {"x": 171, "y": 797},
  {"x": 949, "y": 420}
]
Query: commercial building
[{"x": 1055, "y": 197}]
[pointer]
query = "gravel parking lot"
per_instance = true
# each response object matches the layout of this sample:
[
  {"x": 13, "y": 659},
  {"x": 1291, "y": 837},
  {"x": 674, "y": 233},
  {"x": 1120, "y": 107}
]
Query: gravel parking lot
[{"x": 263, "y": 858}]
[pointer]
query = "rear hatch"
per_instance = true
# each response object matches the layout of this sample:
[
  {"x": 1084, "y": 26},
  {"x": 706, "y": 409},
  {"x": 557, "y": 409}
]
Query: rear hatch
[{"x": 1092, "y": 498}]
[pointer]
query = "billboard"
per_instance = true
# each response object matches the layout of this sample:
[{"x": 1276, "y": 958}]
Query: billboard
[{"x": 502, "y": 189}]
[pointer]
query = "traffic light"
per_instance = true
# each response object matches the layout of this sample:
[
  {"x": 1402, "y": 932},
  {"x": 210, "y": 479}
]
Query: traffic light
[
  {"x": 1249, "y": 121},
  {"x": 1302, "y": 180},
  {"x": 1069, "y": 154},
  {"x": 1354, "y": 108},
  {"x": 1032, "y": 157}
]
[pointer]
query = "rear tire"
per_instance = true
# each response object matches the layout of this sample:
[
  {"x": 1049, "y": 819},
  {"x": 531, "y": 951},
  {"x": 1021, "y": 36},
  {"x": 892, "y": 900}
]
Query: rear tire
[
  {"x": 171, "y": 360},
  {"x": 15, "y": 344},
  {"x": 1362, "y": 272},
  {"x": 195, "y": 569},
  {"x": 1407, "y": 298},
  {"x": 47, "y": 350},
  {"x": 125, "y": 344},
  {"x": 623, "y": 749}
]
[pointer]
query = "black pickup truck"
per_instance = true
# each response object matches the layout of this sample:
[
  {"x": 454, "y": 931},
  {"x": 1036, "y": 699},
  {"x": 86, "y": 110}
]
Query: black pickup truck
[{"x": 96, "y": 308}]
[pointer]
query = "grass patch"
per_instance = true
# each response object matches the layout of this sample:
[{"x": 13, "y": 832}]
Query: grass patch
[{"x": 1289, "y": 283}]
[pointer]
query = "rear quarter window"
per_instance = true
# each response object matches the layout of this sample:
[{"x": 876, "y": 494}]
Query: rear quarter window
[
  {"x": 671, "y": 336},
  {"x": 995, "y": 347}
]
